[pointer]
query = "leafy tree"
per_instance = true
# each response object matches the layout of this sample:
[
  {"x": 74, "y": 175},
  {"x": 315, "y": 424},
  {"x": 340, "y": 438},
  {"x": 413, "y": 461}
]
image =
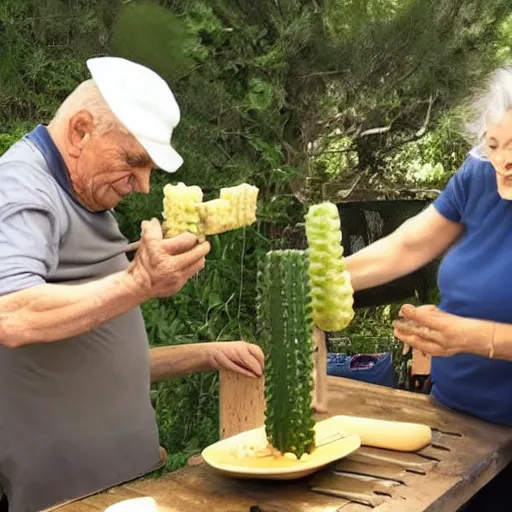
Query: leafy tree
[{"x": 43, "y": 47}]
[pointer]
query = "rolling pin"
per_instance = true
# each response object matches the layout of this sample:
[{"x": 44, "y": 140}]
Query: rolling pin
[{"x": 390, "y": 435}]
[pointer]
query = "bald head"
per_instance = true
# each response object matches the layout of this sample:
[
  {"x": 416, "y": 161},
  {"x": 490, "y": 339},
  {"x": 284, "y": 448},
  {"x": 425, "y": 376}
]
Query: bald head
[{"x": 87, "y": 98}]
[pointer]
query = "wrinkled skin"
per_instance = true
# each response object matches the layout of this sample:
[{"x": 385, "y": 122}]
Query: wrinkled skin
[{"x": 104, "y": 168}]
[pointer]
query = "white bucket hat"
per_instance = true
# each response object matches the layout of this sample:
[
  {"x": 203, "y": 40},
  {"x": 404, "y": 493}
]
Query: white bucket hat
[{"x": 143, "y": 103}]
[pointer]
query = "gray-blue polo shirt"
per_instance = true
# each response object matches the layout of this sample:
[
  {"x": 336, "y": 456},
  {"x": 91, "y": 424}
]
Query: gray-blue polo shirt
[{"x": 75, "y": 415}]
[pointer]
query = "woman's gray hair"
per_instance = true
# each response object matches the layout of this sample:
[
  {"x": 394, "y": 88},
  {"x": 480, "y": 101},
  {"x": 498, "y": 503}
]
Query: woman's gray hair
[{"x": 489, "y": 106}]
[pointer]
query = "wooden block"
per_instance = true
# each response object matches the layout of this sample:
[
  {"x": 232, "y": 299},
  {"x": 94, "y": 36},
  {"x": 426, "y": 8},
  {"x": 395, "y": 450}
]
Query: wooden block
[
  {"x": 242, "y": 399},
  {"x": 420, "y": 363},
  {"x": 241, "y": 403}
]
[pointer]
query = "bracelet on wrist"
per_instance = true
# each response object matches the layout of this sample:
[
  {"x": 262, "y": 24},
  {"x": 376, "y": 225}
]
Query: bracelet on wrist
[{"x": 491, "y": 349}]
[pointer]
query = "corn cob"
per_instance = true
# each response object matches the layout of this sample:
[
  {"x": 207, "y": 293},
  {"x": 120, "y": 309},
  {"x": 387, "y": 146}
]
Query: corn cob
[
  {"x": 180, "y": 210},
  {"x": 331, "y": 290},
  {"x": 243, "y": 200},
  {"x": 216, "y": 216},
  {"x": 285, "y": 333},
  {"x": 184, "y": 210}
]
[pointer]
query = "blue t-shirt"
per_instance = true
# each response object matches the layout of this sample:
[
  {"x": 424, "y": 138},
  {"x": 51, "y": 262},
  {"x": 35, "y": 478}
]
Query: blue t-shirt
[{"x": 474, "y": 281}]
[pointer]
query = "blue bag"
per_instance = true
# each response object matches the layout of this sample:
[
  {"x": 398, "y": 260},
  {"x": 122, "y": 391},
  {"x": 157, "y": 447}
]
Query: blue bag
[{"x": 372, "y": 368}]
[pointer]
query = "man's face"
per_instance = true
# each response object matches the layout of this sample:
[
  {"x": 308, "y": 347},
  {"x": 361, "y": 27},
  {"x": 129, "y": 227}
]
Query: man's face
[{"x": 110, "y": 166}]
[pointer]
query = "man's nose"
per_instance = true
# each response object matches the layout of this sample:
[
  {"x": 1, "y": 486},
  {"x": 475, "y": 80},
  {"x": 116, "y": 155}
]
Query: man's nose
[{"x": 142, "y": 180}]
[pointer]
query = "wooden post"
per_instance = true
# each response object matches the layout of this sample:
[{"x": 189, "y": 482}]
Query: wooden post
[
  {"x": 320, "y": 371},
  {"x": 241, "y": 403},
  {"x": 420, "y": 363}
]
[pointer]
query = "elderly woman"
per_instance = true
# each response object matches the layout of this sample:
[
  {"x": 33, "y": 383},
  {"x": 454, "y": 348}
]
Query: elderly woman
[{"x": 470, "y": 334}]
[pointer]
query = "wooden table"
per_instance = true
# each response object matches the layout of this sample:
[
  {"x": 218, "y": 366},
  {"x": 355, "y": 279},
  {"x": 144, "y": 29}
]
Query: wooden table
[{"x": 465, "y": 454}]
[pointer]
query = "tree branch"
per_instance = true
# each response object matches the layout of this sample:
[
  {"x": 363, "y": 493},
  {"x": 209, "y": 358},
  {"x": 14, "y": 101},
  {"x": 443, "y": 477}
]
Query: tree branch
[
  {"x": 356, "y": 182},
  {"x": 334, "y": 151},
  {"x": 402, "y": 143},
  {"x": 377, "y": 131},
  {"x": 322, "y": 73},
  {"x": 423, "y": 129}
]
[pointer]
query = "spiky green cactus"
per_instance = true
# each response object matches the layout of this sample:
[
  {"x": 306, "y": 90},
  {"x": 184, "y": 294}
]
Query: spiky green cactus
[
  {"x": 286, "y": 331},
  {"x": 331, "y": 289}
]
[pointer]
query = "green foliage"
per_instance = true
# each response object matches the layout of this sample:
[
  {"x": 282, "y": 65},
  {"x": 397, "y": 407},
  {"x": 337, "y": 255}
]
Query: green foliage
[
  {"x": 44, "y": 46},
  {"x": 432, "y": 160},
  {"x": 443, "y": 145},
  {"x": 504, "y": 42},
  {"x": 426, "y": 162},
  {"x": 8, "y": 139},
  {"x": 411, "y": 62},
  {"x": 268, "y": 84},
  {"x": 143, "y": 27},
  {"x": 286, "y": 336}
]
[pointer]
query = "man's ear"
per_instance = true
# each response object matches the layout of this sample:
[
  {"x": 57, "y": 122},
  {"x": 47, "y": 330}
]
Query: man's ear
[{"x": 80, "y": 127}]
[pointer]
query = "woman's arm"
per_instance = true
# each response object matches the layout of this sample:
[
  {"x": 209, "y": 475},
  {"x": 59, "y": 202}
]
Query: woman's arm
[
  {"x": 502, "y": 341},
  {"x": 418, "y": 241},
  {"x": 438, "y": 333}
]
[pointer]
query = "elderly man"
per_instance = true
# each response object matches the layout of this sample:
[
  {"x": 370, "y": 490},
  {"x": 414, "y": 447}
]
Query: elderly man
[{"x": 75, "y": 367}]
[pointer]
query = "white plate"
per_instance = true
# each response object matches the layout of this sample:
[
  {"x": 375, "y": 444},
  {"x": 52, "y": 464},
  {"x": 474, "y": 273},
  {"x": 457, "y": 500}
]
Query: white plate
[{"x": 222, "y": 454}]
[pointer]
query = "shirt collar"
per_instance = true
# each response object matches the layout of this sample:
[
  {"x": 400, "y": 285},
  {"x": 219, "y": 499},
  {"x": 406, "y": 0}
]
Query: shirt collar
[{"x": 41, "y": 138}]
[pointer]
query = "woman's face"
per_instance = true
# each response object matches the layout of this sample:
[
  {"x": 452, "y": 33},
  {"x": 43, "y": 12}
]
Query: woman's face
[{"x": 498, "y": 147}]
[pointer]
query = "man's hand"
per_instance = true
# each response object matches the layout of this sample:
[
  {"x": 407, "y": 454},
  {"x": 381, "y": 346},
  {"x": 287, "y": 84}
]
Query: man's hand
[
  {"x": 162, "y": 267},
  {"x": 54, "y": 312},
  {"x": 237, "y": 356},
  {"x": 437, "y": 333}
]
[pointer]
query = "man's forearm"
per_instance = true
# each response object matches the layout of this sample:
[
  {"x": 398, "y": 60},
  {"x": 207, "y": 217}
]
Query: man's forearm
[
  {"x": 179, "y": 360},
  {"x": 52, "y": 312}
]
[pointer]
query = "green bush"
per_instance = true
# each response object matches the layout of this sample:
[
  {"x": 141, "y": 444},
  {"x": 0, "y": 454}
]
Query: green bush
[{"x": 8, "y": 139}]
